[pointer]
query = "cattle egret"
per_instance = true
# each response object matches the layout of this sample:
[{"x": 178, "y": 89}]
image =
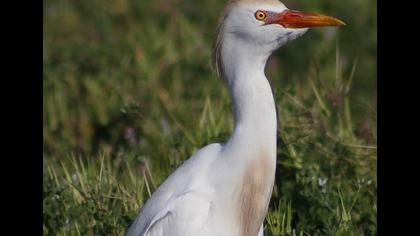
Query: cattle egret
[{"x": 225, "y": 189}]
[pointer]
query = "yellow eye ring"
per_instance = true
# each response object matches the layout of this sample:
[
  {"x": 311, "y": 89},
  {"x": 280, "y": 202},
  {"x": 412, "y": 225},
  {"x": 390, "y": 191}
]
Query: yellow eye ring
[{"x": 260, "y": 15}]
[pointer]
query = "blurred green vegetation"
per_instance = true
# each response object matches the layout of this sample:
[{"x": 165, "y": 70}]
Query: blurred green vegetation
[{"x": 129, "y": 83}]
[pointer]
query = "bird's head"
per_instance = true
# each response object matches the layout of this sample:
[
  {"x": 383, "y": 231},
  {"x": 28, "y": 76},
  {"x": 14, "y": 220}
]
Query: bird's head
[{"x": 263, "y": 26}]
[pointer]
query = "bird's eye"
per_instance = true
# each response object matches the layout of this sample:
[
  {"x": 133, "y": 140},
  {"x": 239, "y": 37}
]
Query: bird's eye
[{"x": 260, "y": 15}]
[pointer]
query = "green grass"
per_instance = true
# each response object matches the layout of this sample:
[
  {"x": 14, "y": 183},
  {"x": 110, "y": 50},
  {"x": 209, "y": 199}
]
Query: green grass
[{"x": 129, "y": 94}]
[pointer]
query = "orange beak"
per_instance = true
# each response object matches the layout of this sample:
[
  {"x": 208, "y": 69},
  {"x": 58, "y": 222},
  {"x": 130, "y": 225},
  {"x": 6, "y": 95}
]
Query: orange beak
[{"x": 297, "y": 19}]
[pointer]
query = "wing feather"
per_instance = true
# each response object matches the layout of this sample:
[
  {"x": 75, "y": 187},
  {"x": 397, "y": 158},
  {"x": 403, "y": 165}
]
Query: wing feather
[{"x": 185, "y": 215}]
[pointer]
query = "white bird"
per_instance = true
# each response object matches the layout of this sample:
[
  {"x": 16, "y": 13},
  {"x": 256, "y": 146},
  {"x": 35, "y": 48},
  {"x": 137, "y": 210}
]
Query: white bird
[{"x": 225, "y": 189}]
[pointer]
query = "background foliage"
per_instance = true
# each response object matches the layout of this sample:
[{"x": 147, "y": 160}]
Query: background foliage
[{"x": 129, "y": 94}]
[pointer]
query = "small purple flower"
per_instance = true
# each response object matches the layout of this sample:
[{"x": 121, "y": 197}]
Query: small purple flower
[{"x": 130, "y": 135}]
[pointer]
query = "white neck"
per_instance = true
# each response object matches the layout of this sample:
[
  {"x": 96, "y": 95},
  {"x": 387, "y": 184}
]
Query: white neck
[{"x": 253, "y": 103}]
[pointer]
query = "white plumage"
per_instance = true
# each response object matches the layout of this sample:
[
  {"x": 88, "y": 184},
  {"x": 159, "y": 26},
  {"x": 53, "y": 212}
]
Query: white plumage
[{"x": 225, "y": 189}]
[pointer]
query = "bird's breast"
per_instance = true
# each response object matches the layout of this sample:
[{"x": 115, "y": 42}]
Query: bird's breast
[{"x": 254, "y": 193}]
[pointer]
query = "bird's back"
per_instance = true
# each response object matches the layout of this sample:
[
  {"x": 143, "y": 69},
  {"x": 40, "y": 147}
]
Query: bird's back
[{"x": 181, "y": 204}]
